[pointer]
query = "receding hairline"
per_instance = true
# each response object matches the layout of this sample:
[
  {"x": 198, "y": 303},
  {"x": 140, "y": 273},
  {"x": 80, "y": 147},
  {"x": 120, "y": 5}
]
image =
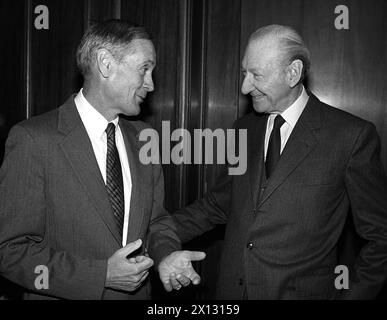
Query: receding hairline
[
  {"x": 133, "y": 47},
  {"x": 275, "y": 32},
  {"x": 116, "y": 36},
  {"x": 286, "y": 40}
]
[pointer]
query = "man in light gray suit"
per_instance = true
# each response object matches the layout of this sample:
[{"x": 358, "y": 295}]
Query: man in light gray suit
[{"x": 75, "y": 199}]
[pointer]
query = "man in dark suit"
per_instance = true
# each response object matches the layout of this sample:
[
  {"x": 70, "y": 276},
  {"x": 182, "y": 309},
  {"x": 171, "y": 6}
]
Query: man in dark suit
[
  {"x": 80, "y": 216},
  {"x": 308, "y": 165}
]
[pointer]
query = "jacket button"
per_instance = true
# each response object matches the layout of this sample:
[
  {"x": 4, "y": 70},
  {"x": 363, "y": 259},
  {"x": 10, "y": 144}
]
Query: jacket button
[
  {"x": 241, "y": 282},
  {"x": 249, "y": 246}
]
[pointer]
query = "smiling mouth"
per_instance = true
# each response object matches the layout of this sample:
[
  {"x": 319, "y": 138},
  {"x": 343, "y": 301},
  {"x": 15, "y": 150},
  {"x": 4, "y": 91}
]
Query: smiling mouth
[{"x": 257, "y": 96}]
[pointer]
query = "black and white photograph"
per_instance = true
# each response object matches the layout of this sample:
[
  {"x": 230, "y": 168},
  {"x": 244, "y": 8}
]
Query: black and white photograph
[{"x": 193, "y": 155}]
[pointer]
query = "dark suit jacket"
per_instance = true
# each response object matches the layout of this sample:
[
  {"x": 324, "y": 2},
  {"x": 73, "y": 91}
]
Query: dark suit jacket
[
  {"x": 55, "y": 211},
  {"x": 281, "y": 236}
]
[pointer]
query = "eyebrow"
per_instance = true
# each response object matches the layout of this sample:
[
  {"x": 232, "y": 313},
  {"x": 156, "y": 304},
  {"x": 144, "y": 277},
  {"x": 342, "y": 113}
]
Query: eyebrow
[{"x": 253, "y": 70}]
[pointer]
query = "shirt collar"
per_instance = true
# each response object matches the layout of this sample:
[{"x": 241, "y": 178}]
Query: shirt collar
[
  {"x": 94, "y": 122},
  {"x": 293, "y": 113}
]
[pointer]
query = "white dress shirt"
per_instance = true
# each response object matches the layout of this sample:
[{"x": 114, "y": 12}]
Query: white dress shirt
[
  {"x": 291, "y": 116},
  {"x": 96, "y": 124}
]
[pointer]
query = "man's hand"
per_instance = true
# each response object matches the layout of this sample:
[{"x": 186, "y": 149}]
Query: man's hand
[
  {"x": 176, "y": 269},
  {"x": 124, "y": 274}
]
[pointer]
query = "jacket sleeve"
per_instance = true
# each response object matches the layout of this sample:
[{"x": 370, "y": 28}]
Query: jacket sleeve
[
  {"x": 162, "y": 239},
  {"x": 23, "y": 225},
  {"x": 214, "y": 208},
  {"x": 366, "y": 185},
  {"x": 205, "y": 214}
]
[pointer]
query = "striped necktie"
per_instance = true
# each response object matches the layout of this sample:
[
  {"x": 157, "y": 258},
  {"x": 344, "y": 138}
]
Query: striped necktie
[{"x": 114, "y": 183}]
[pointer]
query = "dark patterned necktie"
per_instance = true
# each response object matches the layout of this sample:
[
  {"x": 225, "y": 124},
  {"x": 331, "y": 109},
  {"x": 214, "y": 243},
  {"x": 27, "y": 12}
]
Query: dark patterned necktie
[
  {"x": 274, "y": 148},
  {"x": 114, "y": 183}
]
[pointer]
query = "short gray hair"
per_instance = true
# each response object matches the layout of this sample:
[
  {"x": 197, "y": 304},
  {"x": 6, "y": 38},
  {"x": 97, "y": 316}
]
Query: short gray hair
[
  {"x": 290, "y": 42},
  {"x": 113, "y": 35}
]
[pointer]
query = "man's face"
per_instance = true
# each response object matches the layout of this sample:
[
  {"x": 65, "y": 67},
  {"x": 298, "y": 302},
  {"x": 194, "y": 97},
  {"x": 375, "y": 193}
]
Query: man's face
[
  {"x": 265, "y": 76},
  {"x": 132, "y": 78}
]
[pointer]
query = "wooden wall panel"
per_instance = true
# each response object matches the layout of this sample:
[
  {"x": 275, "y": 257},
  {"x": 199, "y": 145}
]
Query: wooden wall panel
[
  {"x": 152, "y": 14},
  {"x": 54, "y": 74},
  {"x": 12, "y": 87},
  {"x": 350, "y": 66},
  {"x": 101, "y": 10},
  {"x": 198, "y": 94},
  {"x": 167, "y": 22},
  {"x": 221, "y": 108},
  {"x": 223, "y": 69},
  {"x": 162, "y": 19}
]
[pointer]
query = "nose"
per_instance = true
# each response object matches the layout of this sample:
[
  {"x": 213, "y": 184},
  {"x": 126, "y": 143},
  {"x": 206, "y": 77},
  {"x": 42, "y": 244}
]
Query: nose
[
  {"x": 246, "y": 85},
  {"x": 148, "y": 83}
]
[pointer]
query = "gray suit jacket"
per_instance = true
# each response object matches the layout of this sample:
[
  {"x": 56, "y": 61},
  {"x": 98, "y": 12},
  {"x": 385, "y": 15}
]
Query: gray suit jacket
[
  {"x": 55, "y": 211},
  {"x": 282, "y": 234}
]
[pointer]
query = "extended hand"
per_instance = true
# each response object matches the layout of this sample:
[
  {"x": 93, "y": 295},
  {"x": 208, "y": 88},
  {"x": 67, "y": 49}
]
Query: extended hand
[
  {"x": 176, "y": 269},
  {"x": 124, "y": 274}
]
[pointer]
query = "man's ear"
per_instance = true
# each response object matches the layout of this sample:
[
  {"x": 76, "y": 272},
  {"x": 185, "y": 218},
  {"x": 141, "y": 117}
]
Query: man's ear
[
  {"x": 294, "y": 72},
  {"x": 105, "y": 63}
]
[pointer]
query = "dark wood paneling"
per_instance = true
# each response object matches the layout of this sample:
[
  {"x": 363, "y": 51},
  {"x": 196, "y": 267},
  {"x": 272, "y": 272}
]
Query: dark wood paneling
[
  {"x": 152, "y": 14},
  {"x": 13, "y": 49},
  {"x": 167, "y": 22},
  {"x": 349, "y": 66},
  {"x": 221, "y": 107},
  {"x": 101, "y": 10},
  {"x": 162, "y": 20},
  {"x": 223, "y": 69},
  {"x": 54, "y": 74},
  {"x": 12, "y": 86},
  {"x": 198, "y": 98}
]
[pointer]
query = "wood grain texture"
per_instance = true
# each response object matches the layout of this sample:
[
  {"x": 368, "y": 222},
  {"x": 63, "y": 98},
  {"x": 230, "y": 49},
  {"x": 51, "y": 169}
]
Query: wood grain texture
[
  {"x": 54, "y": 73},
  {"x": 13, "y": 31},
  {"x": 198, "y": 98},
  {"x": 13, "y": 54},
  {"x": 220, "y": 109},
  {"x": 101, "y": 10},
  {"x": 222, "y": 69},
  {"x": 162, "y": 20}
]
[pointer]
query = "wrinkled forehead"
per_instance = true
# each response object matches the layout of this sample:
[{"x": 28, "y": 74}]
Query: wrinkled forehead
[
  {"x": 142, "y": 50},
  {"x": 261, "y": 52}
]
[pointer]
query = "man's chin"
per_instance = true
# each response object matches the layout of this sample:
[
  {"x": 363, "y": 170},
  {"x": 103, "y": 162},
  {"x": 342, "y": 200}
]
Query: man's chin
[
  {"x": 259, "y": 107},
  {"x": 132, "y": 111}
]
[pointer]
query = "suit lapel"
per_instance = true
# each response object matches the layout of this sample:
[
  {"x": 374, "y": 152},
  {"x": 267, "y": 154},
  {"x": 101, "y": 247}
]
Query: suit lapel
[
  {"x": 256, "y": 138},
  {"x": 301, "y": 142},
  {"x": 79, "y": 152},
  {"x": 138, "y": 173}
]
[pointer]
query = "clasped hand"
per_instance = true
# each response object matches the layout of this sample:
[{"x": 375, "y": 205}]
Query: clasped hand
[{"x": 127, "y": 274}]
